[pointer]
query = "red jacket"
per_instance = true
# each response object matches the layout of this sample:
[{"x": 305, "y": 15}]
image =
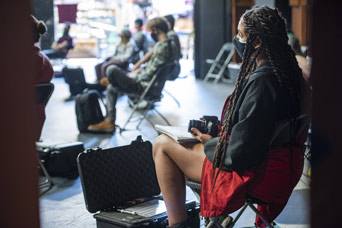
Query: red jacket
[{"x": 43, "y": 73}]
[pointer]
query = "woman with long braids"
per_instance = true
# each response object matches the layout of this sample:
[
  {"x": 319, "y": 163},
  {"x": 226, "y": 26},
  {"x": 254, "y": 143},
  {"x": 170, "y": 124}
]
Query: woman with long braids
[{"x": 240, "y": 160}]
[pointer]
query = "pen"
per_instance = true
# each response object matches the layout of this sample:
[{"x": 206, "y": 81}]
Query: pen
[{"x": 128, "y": 212}]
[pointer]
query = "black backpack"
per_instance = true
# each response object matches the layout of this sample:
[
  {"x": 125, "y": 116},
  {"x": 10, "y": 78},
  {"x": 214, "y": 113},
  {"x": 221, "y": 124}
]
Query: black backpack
[{"x": 88, "y": 110}]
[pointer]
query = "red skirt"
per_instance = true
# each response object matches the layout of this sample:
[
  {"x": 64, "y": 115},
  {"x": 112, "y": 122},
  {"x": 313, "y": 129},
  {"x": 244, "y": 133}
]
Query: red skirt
[{"x": 272, "y": 181}]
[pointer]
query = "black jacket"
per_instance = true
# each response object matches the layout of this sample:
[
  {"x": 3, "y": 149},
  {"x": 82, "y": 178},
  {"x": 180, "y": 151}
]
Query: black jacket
[{"x": 261, "y": 105}]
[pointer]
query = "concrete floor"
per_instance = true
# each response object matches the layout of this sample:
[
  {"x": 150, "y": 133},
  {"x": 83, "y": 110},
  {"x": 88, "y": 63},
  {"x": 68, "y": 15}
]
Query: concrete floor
[{"x": 64, "y": 206}]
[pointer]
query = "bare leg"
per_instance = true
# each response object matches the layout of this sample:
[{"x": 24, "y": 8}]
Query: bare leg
[{"x": 174, "y": 162}]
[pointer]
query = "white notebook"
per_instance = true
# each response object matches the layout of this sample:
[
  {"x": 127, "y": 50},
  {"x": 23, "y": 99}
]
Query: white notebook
[{"x": 178, "y": 133}]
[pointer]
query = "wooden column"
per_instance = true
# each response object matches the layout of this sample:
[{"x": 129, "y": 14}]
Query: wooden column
[
  {"x": 300, "y": 20},
  {"x": 326, "y": 198},
  {"x": 19, "y": 205}
]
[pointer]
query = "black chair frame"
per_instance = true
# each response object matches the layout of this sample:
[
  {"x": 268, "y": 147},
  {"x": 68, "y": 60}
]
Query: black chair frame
[
  {"x": 160, "y": 77},
  {"x": 43, "y": 93}
]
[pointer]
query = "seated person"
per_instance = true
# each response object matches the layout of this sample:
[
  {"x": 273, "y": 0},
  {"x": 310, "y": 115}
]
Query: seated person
[
  {"x": 121, "y": 58},
  {"x": 61, "y": 48},
  {"x": 134, "y": 82},
  {"x": 140, "y": 40},
  {"x": 43, "y": 70},
  {"x": 239, "y": 160},
  {"x": 173, "y": 35},
  {"x": 302, "y": 62}
]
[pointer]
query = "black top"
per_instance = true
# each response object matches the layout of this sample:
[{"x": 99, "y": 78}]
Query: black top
[{"x": 261, "y": 105}]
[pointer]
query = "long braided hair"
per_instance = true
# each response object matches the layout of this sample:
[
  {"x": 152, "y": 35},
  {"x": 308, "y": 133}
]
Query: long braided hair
[{"x": 267, "y": 25}]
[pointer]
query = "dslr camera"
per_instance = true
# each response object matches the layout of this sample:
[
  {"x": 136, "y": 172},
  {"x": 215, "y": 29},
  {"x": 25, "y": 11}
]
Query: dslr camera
[{"x": 209, "y": 125}]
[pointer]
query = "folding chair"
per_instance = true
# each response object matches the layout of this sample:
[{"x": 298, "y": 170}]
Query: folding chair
[
  {"x": 149, "y": 96},
  {"x": 219, "y": 65},
  {"x": 228, "y": 222},
  {"x": 43, "y": 94},
  {"x": 173, "y": 76}
]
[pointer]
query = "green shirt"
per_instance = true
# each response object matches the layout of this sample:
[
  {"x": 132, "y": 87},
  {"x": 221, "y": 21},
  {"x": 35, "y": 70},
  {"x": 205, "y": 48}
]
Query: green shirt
[{"x": 161, "y": 55}]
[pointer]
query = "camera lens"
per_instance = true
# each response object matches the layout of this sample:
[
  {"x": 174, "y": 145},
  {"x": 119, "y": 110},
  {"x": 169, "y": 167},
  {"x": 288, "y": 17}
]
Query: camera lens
[
  {"x": 190, "y": 125},
  {"x": 199, "y": 124}
]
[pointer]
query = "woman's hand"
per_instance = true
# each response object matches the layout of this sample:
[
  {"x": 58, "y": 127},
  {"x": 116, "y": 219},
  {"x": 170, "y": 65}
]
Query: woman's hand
[
  {"x": 203, "y": 138},
  {"x": 136, "y": 66}
]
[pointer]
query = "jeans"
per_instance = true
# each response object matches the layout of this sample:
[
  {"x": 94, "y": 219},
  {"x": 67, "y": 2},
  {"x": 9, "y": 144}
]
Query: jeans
[
  {"x": 101, "y": 68},
  {"x": 120, "y": 83}
]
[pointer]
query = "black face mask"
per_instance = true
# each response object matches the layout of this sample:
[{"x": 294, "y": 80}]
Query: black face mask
[
  {"x": 239, "y": 46},
  {"x": 154, "y": 37}
]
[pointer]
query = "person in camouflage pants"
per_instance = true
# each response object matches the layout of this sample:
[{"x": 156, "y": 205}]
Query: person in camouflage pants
[{"x": 118, "y": 81}]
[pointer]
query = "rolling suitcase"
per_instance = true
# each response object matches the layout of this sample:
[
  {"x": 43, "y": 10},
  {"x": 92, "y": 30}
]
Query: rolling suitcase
[
  {"x": 120, "y": 186},
  {"x": 75, "y": 79},
  {"x": 88, "y": 110}
]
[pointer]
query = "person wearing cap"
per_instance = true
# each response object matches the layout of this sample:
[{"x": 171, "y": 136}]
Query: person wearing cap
[{"x": 121, "y": 58}]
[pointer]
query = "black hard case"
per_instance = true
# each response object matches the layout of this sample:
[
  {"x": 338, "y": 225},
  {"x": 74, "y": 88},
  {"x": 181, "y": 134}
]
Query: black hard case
[
  {"x": 59, "y": 158},
  {"x": 112, "y": 177}
]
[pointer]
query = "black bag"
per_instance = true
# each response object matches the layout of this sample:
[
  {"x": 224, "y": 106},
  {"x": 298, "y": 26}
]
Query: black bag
[
  {"x": 88, "y": 110},
  {"x": 114, "y": 179},
  {"x": 60, "y": 159},
  {"x": 75, "y": 79}
]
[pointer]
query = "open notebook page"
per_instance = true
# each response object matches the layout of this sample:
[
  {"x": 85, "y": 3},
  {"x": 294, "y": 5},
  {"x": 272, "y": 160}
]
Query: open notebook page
[{"x": 179, "y": 133}]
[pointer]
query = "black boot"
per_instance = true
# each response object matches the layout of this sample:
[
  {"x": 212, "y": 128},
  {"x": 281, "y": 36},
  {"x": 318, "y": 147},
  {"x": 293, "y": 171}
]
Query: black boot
[{"x": 180, "y": 225}]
